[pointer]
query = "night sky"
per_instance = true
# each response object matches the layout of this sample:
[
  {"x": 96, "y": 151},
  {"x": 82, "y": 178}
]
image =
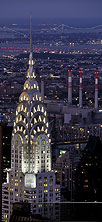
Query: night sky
[{"x": 51, "y": 8}]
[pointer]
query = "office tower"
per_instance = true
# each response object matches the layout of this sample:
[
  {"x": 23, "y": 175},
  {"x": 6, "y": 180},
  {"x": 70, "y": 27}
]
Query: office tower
[
  {"x": 5, "y": 151},
  {"x": 70, "y": 86},
  {"x": 30, "y": 178},
  {"x": 80, "y": 90},
  {"x": 7, "y": 133},
  {"x": 88, "y": 178},
  {"x": 21, "y": 212},
  {"x": 1, "y": 165},
  {"x": 96, "y": 90}
]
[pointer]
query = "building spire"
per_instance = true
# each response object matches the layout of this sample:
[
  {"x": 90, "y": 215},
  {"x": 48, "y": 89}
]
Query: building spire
[
  {"x": 31, "y": 32},
  {"x": 31, "y": 54}
]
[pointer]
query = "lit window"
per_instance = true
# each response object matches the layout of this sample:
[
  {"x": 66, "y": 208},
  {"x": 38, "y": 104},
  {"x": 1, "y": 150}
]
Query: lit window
[
  {"x": 85, "y": 186},
  {"x": 56, "y": 189},
  {"x": 34, "y": 197},
  {"x": 38, "y": 129},
  {"x": 46, "y": 131},
  {"x": 42, "y": 110},
  {"x": 34, "y": 131},
  {"x": 45, "y": 191}
]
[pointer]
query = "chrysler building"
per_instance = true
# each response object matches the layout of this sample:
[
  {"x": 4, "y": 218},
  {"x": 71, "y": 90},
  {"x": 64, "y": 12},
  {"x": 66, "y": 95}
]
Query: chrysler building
[{"x": 30, "y": 177}]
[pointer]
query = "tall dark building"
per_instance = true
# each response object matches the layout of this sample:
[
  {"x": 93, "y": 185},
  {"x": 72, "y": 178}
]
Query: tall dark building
[
  {"x": 7, "y": 132},
  {"x": 88, "y": 179},
  {"x": 5, "y": 152},
  {"x": 22, "y": 212}
]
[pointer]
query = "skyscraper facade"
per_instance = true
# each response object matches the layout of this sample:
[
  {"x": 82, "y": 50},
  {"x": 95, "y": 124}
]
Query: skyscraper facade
[{"x": 30, "y": 178}]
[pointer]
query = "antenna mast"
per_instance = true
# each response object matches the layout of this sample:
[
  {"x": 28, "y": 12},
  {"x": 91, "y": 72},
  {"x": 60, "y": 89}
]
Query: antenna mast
[{"x": 31, "y": 33}]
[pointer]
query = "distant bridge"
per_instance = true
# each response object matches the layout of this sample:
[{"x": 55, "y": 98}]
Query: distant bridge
[{"x": 61, "y": 27}]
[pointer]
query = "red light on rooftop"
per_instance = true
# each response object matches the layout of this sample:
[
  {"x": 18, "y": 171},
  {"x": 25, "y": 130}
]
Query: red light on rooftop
[
  {"x": 69, "y": 70},
  {"x": 96, "y": 73},
  {"x": 80, "y": 71}
]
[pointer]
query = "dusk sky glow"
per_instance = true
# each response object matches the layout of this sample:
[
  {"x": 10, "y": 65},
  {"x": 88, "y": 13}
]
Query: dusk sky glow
[{"x": 51, "y": 8}]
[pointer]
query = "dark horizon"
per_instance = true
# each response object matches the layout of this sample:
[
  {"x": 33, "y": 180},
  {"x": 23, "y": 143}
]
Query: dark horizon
[{"x": 79, "y": 22}]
